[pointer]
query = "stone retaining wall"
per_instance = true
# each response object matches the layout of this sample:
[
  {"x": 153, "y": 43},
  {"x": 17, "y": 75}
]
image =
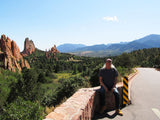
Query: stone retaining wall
[
  {"x": 85, "y": 103},
  {"x": 82, "y": 105}
]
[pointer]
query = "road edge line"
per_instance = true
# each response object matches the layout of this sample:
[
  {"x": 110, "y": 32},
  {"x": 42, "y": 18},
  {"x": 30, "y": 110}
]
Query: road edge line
[{"x": 131, "y": 77}]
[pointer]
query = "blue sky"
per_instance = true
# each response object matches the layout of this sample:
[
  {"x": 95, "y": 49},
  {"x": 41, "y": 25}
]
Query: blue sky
[{"x": 49, "y": 22}]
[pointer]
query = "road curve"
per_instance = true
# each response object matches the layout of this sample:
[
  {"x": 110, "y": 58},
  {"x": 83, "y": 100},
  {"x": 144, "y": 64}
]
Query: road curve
[{"x": 145, "y": 97}]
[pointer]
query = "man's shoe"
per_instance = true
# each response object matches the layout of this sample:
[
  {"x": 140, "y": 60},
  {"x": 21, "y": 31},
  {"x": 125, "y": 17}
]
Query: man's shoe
[
  {"x": 119, "y": 112},
  {"x": 102, "y": 109}
]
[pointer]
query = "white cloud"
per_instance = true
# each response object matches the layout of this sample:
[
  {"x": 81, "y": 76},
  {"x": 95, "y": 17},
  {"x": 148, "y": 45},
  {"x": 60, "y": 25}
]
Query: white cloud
[{"x": 108, "y": 18}]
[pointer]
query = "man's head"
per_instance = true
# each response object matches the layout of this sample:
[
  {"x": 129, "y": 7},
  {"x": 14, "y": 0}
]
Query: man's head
[{"x": 108, "y": 63}]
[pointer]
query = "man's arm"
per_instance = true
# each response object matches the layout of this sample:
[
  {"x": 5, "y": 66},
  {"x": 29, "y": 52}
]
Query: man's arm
[
  {"x": 115, "y": 82},
  {"x": 101, "y": 83}
]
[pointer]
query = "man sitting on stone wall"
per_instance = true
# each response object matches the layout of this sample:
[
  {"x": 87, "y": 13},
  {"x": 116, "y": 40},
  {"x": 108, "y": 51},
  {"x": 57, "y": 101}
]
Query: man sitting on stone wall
[{"x": 108, "y": 79}]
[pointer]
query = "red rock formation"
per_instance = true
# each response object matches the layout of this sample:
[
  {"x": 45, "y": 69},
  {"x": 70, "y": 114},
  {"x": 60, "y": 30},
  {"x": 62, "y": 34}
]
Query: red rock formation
[
  {"x": 26, "y": 64},
  {"x": 29, "y": 47},
  {"x": 48, "y": 56},
  {"x": 16, "y": 51},
  {"x": 53, "y": 50},
  {"x": 11, "y": 54},
  {"x": 5, "y": 43},
  {"x": 22, "y": 64}
]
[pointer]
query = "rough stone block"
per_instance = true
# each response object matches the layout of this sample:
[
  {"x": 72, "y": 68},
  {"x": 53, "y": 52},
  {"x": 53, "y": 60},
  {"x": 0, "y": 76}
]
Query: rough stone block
[{"x": 83, "y": 105}]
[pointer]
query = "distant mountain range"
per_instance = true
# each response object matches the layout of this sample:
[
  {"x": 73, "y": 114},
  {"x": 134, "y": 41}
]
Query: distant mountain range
[
  {"x": 66, "y": 48},
  {"x": 150, "y": 41}
]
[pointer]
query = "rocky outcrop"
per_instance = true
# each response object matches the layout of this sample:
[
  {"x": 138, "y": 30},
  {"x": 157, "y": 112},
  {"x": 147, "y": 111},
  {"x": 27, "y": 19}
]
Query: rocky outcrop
[
  {"x": 11, "y": 55},
  {"x": 54, "y": 49},
  {"x": 52, "y": 52},
  {"x": 26, "y": 64},
  {"x": 29, "y": 47},
  {"x": 16, "y": 51},
  {"x": 5, "y": 43}
]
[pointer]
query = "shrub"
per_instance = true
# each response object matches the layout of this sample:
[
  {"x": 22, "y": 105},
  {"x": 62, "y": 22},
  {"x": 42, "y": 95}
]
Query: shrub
[
  {"x": 94, "y": 80},
  {"x": 66, "y": 88},
  {"x": 22, "y": 110}
]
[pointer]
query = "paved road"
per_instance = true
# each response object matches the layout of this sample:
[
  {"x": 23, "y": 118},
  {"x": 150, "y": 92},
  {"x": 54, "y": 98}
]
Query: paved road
[{"x": 145, "y": 97}]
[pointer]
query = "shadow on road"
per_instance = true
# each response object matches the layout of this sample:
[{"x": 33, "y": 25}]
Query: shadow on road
[{"x": 105, "y": 115}]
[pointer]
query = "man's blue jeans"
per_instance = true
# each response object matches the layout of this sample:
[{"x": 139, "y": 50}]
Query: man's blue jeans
[{"x": 116, "y": 94}]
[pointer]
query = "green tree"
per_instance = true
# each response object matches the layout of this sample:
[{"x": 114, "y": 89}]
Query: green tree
[
  {"x": 75, "y": 71},
  {"x": 57, "y": 68},
  {"x": 125, "y": 60},
  {"x": 41, "y": 78},
  {"x": 94, "y": 80},
  {"x": 22, "y": 110}
]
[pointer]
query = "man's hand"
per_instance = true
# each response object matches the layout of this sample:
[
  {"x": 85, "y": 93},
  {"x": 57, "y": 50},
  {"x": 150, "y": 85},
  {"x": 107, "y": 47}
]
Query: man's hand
[
  {"x": 113, "y": 89},
  {"x": 101, "y": 83}
]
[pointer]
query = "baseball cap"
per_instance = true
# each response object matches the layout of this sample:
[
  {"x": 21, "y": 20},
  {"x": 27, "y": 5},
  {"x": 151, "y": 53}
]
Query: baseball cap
[{"x": 108, "y": 60}]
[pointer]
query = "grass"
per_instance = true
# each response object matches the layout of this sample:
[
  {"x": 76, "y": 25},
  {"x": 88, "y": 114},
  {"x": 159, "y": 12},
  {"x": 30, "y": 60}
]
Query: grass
[
  {"x": 49, "y": 109},
  {"x": 63, "y": 75}
]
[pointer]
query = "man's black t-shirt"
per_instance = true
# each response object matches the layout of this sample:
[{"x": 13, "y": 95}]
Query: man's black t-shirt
[{"x": 108, "y": 76}]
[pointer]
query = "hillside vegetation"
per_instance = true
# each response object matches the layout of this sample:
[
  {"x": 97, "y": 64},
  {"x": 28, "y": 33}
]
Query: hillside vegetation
[{"x": 49, "y": 82}]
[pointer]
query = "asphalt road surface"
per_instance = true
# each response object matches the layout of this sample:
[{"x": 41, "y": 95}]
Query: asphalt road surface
[{"x": 145, "y": 97}]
